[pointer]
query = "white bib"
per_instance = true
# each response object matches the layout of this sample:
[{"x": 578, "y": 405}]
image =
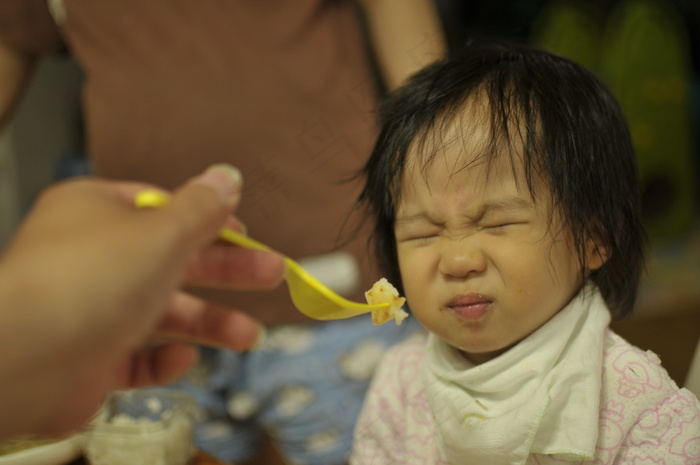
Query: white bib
[{"x": 541, "y": 396}]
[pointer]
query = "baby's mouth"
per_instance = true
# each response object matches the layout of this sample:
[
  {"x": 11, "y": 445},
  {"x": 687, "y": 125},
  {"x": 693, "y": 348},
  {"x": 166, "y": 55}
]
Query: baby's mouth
[{"x": 470, "y": 306}]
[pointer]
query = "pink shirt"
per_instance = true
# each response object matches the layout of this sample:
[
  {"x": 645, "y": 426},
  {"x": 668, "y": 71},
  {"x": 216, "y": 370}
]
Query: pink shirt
[{"x": 644, "y": 419}]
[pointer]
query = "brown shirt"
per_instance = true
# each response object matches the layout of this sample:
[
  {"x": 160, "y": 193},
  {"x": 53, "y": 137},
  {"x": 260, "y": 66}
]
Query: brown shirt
[{"x": 284, "y": 90}]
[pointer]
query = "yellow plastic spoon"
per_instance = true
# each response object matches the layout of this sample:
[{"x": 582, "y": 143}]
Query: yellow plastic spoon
[{"x": 311, "y": 297}]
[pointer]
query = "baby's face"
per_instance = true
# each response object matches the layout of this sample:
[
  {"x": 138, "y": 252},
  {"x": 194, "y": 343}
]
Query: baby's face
[{"x": 482, "y": 263}]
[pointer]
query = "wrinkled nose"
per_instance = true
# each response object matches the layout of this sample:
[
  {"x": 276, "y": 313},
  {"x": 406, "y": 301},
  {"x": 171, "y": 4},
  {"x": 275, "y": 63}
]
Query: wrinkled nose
[{"x": 460, "y": 258}]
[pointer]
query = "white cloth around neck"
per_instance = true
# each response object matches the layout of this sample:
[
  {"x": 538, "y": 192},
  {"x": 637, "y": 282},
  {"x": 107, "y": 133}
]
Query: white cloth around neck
[{"x": 541, "y": 396}]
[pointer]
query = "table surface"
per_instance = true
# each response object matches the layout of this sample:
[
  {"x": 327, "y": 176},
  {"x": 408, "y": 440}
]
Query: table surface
[{"x": 200, "y": 458}]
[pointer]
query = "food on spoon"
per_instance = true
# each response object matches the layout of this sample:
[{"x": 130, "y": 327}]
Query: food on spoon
[{"x": 383, "y": 292}]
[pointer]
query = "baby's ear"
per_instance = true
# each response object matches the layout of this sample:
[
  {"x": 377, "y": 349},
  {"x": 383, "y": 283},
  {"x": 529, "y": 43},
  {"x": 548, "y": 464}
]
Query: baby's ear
[{"x": 596, "y": 248}]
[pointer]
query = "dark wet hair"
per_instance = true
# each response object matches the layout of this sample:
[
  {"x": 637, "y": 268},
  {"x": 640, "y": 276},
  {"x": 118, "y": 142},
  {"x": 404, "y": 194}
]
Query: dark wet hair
[{"x": 573, "y": 135}]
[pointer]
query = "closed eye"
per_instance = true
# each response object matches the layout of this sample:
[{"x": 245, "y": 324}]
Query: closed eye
[
  {"x": 501, "y": 227},
  {"x": 498, "y": 226},
  {"x": 424, "y": 238},
  {"x": 417, "y": 238},
  {"x": 415, "y": 231}
]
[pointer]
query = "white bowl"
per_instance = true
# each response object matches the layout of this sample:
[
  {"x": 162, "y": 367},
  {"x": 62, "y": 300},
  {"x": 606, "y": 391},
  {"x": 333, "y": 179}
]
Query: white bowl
[{"x": 55, "y": 453}]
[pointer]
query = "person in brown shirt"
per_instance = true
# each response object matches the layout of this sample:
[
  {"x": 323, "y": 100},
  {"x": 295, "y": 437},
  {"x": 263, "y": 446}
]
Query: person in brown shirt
[{"x": 285, "y": 91}]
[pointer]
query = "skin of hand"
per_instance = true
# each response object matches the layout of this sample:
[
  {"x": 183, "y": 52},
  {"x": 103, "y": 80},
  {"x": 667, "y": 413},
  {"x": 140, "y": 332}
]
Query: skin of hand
[
  {"x": 90, "y": 283},
  {"x": 407, "y": 35}
]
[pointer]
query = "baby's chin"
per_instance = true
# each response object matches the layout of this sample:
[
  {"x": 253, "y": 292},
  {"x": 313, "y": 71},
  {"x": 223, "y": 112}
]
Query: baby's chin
[{"x": 481, "y": 355}]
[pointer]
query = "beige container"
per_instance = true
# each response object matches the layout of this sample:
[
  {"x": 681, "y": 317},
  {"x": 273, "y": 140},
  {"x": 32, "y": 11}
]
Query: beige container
[{"x": 143, "y": 427}]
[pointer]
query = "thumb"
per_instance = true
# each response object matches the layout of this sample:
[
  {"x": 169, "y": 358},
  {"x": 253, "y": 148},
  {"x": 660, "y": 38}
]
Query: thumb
[{"x": 204, "y": 203}]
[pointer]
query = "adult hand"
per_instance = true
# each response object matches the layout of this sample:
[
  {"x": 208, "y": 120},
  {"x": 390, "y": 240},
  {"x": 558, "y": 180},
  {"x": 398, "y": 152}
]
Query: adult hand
[{"x": 89, "y": 287}]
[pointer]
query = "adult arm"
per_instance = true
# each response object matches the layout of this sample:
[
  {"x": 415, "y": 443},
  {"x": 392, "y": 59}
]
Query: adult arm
[
  {"x": 89, "y": 282},
  {"x": 27, "y": 32},
  {"x": 15, "y": 74},
  {"x": 406, "y": 36}
]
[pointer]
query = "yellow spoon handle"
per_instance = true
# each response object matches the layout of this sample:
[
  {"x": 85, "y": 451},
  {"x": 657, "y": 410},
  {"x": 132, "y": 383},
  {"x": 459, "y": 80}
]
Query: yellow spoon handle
[
  {"x": 309, "y": 295},
  {"x": 151, "y": 198},
  {"x": 237, "y": 238}
]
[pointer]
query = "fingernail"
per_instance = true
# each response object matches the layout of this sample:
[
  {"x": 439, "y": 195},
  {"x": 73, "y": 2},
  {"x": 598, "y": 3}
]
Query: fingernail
[
  {"x": 225, "y": 179},
  {"x": 260, "y": 340}
]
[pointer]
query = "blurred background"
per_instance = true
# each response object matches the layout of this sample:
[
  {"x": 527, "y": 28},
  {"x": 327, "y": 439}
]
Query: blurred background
[{"x": 647, "y": 51}]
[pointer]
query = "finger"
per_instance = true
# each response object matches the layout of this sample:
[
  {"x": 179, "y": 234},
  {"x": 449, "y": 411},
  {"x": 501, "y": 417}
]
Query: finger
[
  {"x": 236, "y": 224},
  {"x": 193, "y": 320},
  {"x": 226, "y": 266},
  {"x": 158, "y": 365},
  {"x": 204, "y": 204}
]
